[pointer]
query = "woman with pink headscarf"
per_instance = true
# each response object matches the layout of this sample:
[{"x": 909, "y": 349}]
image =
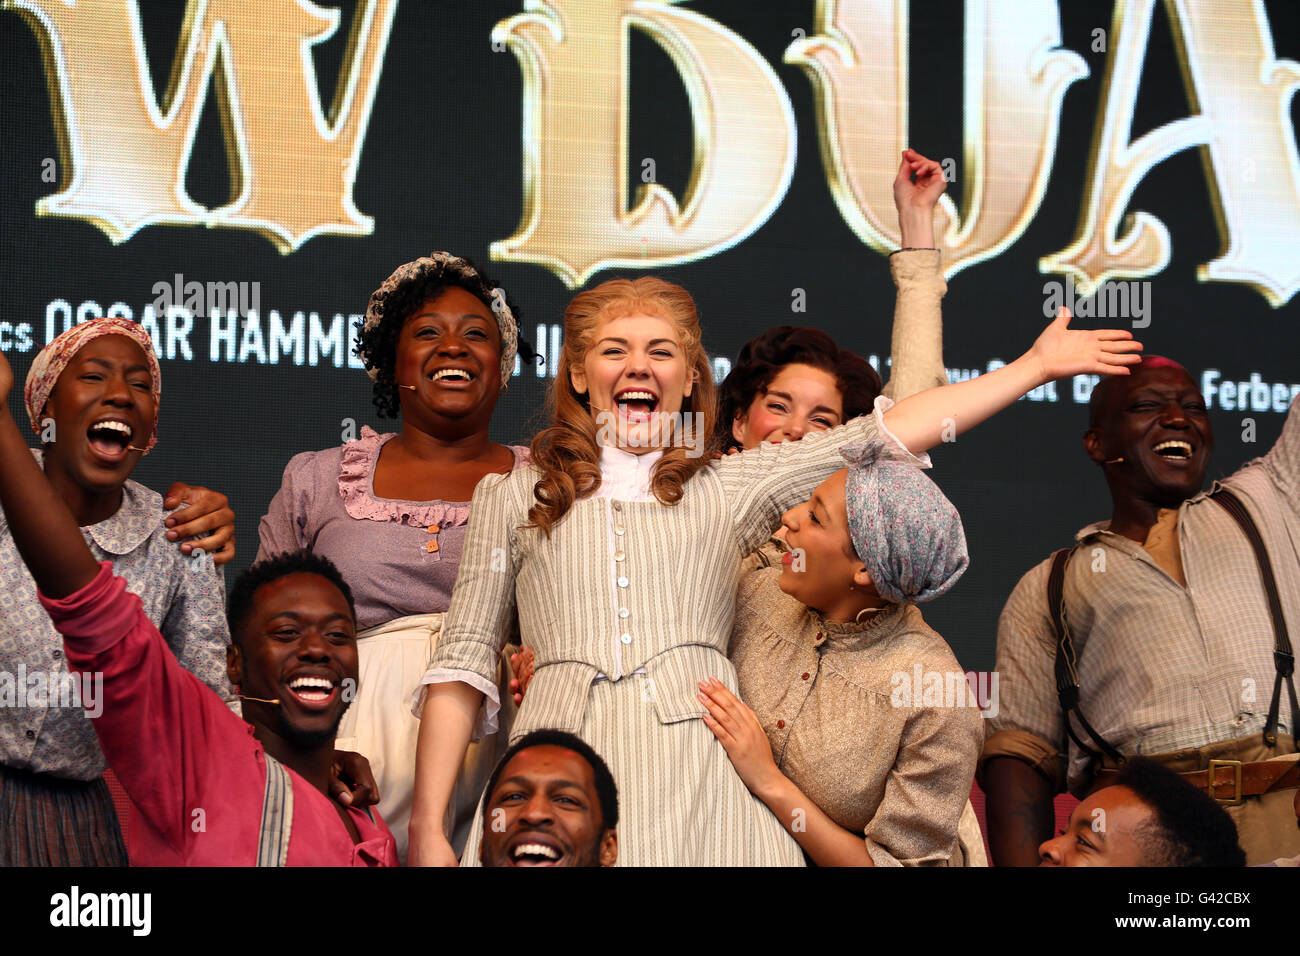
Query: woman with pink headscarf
[{"x": 92, "y": 396}]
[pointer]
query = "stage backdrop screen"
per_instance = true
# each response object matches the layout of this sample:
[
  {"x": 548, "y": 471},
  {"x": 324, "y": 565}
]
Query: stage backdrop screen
[{"x": 239, "y": 175}]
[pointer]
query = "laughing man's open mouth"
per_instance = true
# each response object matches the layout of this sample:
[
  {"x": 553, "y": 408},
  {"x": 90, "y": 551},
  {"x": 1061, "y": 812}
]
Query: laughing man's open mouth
[{"x": 1174, "y": 448}]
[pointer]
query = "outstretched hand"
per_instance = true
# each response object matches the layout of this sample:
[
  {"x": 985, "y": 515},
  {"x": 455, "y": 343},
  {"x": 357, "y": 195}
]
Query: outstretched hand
[{"x": 1062, "y": 351}]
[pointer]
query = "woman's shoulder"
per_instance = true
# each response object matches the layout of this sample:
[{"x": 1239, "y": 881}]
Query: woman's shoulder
[
  {"x": 916, "y": 642},
  {"x": 351, "y": 459},
  {"x": 761, "y": 605},
  {"x": 515, "y": 486}
]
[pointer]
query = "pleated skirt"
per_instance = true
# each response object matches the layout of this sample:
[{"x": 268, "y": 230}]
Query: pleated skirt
[
  {"x": 49, "y": 821},
  {"x": 680, "y": 801}
]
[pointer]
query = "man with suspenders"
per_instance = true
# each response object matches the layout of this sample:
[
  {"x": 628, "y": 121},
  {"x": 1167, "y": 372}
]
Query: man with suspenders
[
  {"x": 1169, "y": 627},
  {"x": 208, "y": 788}
]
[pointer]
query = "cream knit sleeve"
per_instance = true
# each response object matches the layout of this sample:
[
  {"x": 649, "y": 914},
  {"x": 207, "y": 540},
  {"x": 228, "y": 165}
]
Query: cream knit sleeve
[{"x": 916, "y": 345}]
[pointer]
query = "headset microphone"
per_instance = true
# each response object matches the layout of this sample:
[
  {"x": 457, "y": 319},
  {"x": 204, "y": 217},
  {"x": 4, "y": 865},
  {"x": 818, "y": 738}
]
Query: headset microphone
[
  {"x": 262, "y": 700},
  {"x": 1114, "y": 461}
]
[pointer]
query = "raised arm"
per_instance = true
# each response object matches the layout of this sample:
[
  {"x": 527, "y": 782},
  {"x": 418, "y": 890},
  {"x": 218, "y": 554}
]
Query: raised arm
[
  {"x": 43, "y": 528},
  {"x": 916, "y": 341},
  {"x": 920, "y": 422}
]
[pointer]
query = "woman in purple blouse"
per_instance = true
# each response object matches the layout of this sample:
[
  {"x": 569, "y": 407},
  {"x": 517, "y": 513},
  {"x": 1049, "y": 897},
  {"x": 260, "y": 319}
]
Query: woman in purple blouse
[{"x": 439, "y": 343}]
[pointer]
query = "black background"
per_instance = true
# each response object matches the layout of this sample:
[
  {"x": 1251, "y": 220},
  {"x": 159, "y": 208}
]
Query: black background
[{"x": 441, "y": 169}]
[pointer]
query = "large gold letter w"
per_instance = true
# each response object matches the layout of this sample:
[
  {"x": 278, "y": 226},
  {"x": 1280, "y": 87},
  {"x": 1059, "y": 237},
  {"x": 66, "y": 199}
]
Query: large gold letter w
[{"x": 291, "y": 166}]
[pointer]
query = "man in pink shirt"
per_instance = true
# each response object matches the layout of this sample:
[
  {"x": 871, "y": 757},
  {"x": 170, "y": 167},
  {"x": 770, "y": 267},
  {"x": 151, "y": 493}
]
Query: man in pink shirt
[{"x": 209, "y": 788}]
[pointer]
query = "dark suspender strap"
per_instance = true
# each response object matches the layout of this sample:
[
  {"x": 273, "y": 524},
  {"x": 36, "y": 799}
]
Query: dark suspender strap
[
  {"x": 1283, "y": 656},
  {"x": 1067, "y": 674}
]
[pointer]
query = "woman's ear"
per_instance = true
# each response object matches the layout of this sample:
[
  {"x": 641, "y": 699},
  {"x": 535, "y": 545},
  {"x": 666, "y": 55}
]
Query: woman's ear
[
  {"x": 690, "y": 382},
  {"x": 738, "y": 428},
  {"x": 862, "y": 580},
  {"x": 578, "y": 379}
]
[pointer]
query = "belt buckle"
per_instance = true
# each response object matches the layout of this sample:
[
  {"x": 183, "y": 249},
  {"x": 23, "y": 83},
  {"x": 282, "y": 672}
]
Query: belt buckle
[{"x": 1235, "y": 799}]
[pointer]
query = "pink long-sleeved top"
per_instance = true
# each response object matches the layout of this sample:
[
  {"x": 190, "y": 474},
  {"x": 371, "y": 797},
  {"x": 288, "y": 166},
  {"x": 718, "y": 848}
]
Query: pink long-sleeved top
[{"x": 194, "y": 771}]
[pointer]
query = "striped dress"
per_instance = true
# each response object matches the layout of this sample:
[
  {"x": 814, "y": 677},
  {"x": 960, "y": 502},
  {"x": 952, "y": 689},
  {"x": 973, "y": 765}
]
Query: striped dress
[{"x": 627, "y": 605}]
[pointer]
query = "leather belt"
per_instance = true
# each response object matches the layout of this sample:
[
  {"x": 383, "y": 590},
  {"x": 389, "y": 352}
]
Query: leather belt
[{"x": 1228, "y": 781}]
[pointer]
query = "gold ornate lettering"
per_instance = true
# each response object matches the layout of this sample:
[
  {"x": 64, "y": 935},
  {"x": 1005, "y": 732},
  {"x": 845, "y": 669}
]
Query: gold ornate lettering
[
  {"x": 1241, "y": 95},
  {"x": 291, "y": 166},
  {"x": 574, "y": 59},
  {"x": 1016, "y": 77}
]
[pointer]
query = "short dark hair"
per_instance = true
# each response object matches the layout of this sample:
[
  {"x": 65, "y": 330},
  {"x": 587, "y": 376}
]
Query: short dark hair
[
  {"x": 380, "y": 341},
  {"x": 1190, "y": 828},
  {"x": 762, "y": 358},
  {"x": 1099, "y": 400},
  {"x": 606, "y": 791},
  {"x": 264, "y": 572}
]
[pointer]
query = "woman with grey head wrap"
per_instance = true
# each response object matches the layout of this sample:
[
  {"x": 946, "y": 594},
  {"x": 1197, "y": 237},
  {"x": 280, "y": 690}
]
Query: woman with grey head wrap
[
  {"x": 857, "y": 726},
  {"x": 392, "y": 510}
]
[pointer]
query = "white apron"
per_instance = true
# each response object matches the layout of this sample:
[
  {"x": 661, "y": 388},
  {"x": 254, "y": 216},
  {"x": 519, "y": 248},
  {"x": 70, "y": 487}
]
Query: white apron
[{"x": 393, "y": 658}]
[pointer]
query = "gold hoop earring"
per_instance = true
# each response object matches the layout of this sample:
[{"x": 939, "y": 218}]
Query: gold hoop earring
[{"x": 857, "y": 619}]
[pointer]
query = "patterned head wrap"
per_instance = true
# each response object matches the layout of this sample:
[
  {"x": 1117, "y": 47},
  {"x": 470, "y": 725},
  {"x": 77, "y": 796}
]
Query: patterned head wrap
[
  {"x": 445, "y": 264},
  {"x": 55, "y": 357},
  {"x": 904, "y": 530}
]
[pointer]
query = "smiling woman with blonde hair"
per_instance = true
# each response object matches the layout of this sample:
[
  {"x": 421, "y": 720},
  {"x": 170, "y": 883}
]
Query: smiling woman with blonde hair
[{"x": 569, "y": 452}]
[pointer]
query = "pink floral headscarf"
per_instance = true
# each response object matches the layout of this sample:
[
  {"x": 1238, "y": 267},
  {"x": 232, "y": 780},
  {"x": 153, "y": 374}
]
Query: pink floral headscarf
[{"x": 54, "y": 358}]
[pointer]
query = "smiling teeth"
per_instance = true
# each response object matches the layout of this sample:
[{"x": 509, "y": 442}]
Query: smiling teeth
[
  {"x": 304, "y": 682},
  {"x": 450, "y": 373},
  {"x": 113, "y": 426},
  {"x": 1181, "y": 445},
  {"x": 536, "y": 849},
  {"x": 636, "y": 397}
]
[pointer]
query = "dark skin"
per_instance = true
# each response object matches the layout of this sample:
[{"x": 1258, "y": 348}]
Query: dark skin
[
  {"x": 1104, "y": 830},
  {"x": 109, "y": 378},
  {"x": 1153, "y": 406},
  {"x": 546, "y": 796},
  {"x": 1019, "y": 811},
  {"x": 1148, "y": 408},
  {"x": 298, "y": 626},
  {"x": 443, "y": 449},
  {"x": 48, "y": 537}
]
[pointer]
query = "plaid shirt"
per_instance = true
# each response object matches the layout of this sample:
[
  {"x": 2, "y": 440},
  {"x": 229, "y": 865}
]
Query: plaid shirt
[
  {"x": 184, "y": 598},
  {"x": 1161, "y": 667}
]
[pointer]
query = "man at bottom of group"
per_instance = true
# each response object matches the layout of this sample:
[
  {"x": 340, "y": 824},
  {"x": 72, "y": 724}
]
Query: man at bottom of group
[
  {"x": 551, "y": 801},
  {"x": 1149, "y": 816}
]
